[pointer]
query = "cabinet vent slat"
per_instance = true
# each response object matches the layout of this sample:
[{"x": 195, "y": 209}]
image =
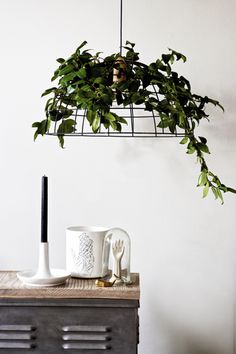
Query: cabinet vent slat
[
  {"x": 87, "y": 336},
  {"x": 22, "y": 336},
  {"x": 86, "y": 329},
  {"x": 16, "y": 345},
  {"x": 26, "y": 328},
  {"x": 85, "y": 346}
]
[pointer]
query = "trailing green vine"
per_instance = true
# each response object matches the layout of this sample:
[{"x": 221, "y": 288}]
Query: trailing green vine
[{"x": 85, "y": 81}]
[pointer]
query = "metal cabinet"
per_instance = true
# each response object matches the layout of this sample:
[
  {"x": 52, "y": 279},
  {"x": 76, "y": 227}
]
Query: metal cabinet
[{"x": 52, "y": 324}]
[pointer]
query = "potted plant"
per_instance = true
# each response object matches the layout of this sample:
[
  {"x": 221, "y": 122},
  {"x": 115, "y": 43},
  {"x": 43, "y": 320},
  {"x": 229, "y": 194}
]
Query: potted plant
[{"x": 88, "y": 82}]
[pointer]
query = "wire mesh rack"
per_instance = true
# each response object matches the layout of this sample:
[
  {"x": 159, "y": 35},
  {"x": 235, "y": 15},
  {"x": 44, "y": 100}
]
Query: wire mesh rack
[{"x": 140, "y": 124}]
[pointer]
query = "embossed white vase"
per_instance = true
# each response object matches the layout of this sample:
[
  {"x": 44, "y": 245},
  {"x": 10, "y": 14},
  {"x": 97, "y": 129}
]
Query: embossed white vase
[{"x": 86, "y": 253}]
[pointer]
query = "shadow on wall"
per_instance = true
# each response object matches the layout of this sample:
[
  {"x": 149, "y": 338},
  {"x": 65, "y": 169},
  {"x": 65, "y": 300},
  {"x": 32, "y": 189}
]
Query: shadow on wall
[
  {"x": 221, "y": 126},
  {"x": 181, "y": 340},
  {"x": 134, "y": 148}
]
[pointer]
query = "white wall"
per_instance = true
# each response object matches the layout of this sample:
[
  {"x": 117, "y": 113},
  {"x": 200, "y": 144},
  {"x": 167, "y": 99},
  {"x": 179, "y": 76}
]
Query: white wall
[{"x": 182, "y": 245}]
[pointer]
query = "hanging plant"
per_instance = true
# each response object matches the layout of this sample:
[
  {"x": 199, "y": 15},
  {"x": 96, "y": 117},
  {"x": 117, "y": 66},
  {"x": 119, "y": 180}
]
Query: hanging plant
[{"x": 93, "y": 84}]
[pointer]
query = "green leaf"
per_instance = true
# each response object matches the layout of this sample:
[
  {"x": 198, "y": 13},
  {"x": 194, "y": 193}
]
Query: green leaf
[
  {"x": 172, "y": 126},
  {"x": 107, "y": 99},
  {"x": 203, "y": 140},
  {"x": 220, "y": 195},
  {"x": 67, "y": 126},
  {"x": 35, "y": 135},
  {"x": 118, "y": 127},
  {"x": 60, "y": 60},
  {"x": 191, "y": 148},
  {"x": 137, "y": 98},
  {"x": 122, "y": 86},
  {"x": 113, "y": 125},
  {"x": 42, "y": 127},
  {"x": 131, "y": 55},
  {"x": 166, "y": 58},
  {"x": 214, "y": 102},
  {"x": 122, "y": 120},
  {"x": 81, "y": 46},
  {"x": 202, "y": 180},
  {"x": 35, "y": 124},
  {"x": 67, "y": 78},
  {"x": 61, "y": 140},
  {"x": 98, "y": 80},
  {"x": 182, "y": 119},
  {"x": 48, "y": 91},
  {"x": 203, "y": 148},
  {"x": 90, "y": 116},
  {"x": 159, "y": 66},
  {"x": 214, "y": 190},
  {"x": 148, "y": 106},
  {"x": 67, "y": 69},
  {"x": 134, "y": 85},
  {"x": 110, "y": 116},
  {"x": 130, "y": 43},
  {"x": 70, "y": 89},
  {"x": 49, "y": 104},
  {"x": 66, "y": 113},
  {"x": 96, "y": 123},
  {"x": 165, "y": 121},
  {"x": 205, "y": 190},
  {"x": 178, "y": 55},
  {"x": 82, "y": 73},
  {"x": 119, "y": 97},
  {"x": 55, "y": 115},
  {"x": 184, "y": 140}
]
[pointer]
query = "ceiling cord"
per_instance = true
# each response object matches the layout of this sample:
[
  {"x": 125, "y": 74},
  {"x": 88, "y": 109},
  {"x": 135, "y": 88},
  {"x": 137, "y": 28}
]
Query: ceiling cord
[{"x": 121, "y": 25}]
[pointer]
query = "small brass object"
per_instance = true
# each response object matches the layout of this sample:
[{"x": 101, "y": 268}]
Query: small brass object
[
  {"x": 103, "y": 283},
  {"x": 106, "y": 283}
]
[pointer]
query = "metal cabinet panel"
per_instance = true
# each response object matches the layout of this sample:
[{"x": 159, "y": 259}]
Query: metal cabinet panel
[{"x": 69, "y": 327}]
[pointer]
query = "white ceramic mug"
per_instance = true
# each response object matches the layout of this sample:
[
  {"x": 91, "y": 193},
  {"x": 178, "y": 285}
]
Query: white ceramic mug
[{"x": 85, "y": 251}]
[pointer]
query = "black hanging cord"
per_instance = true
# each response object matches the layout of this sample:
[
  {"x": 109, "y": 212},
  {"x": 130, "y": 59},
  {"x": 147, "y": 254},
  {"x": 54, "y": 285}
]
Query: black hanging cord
[{"x": 121, "y": 25}]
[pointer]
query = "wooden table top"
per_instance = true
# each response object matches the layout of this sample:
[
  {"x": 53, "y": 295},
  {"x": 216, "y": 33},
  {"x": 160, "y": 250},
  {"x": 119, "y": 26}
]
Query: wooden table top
[{"x": 12, "y": 287}]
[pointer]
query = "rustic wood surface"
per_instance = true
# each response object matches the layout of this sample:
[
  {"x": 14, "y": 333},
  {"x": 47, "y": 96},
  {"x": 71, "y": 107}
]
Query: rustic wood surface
[{"x": 12, "y": 287}]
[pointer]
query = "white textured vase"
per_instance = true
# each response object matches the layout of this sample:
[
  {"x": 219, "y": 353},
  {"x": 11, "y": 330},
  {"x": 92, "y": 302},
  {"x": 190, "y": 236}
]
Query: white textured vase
[{"x": 85, "y": 251}]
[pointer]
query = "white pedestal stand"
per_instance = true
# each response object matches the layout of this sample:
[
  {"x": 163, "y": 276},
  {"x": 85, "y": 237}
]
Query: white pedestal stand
[{"x": 43, "y": 276}]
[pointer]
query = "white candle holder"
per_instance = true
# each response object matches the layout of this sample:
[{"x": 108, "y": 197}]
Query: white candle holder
[{"x": 44, "y": 276}]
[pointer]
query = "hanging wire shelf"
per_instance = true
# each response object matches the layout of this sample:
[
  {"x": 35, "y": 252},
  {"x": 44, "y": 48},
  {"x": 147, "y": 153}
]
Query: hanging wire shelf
[{"x": 140, "y": 124}]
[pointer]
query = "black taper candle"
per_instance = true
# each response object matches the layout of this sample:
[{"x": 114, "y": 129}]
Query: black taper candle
[{"x": 44, "y": 210}]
